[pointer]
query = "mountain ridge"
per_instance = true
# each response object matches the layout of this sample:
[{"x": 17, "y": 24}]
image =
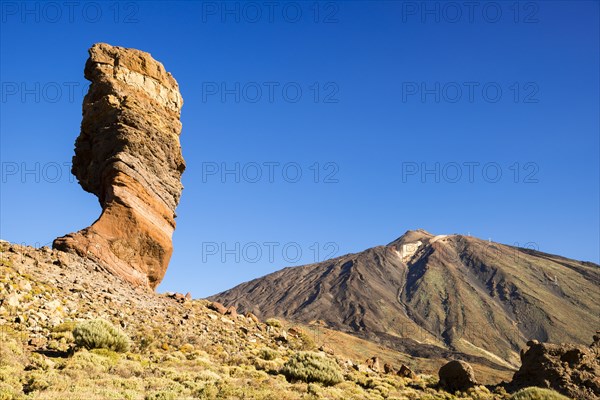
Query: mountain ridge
[{"x": 455, "y": 292}]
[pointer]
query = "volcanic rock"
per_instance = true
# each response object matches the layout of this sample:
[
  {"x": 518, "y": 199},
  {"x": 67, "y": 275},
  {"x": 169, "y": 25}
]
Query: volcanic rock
[
  {"x": 457, "y": 375},
  {"x": 406, "y": 372},
  {"x": 218, "y": 307},
  {"x": 128, "y": 154},
  {"x": 374, "y": 364},
  {"x": 253, "y": 317},
  {"x": 231, "y": 311},
  {"x": 573, "y": 370},
  {"x": 389, "y": 368}
]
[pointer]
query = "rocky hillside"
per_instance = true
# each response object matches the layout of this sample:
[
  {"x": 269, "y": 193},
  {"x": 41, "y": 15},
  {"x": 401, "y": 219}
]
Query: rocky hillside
[
  {"x": 428, "y": 295},
  {"x": 176, "y": 347}
]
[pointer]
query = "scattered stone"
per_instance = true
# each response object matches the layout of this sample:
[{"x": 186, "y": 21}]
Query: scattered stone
[
  {"x": 12, "y": 300},
  {"x": 218, "y": 307},
  {"x": 361, "y": 368},
  {"x": 52, "y": 305},
  {"x": 253, "y": 317},
  {"x": 406, "y": 372},
  {"x": 25, "y": 286},
  {"x": 179, "y": 297},
  {"x": 294, "y": 332},
  {"x": 37, "y": 342},
  {"x": 389, "y": 368},
  {"x": 41, "y": 316},
  {"x": 596, "y": 343},
  {"x": 281, "y": 338},
  {"x": 231, "y": 311},
  {"x": 373, "y": 364}
]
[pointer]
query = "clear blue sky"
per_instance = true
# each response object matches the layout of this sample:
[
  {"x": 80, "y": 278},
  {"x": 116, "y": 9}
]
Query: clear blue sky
[{"x": 389, "y": 90}]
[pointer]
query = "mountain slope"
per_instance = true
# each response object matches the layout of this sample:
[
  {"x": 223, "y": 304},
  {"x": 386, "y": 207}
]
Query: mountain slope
[
  {"x": 179, "y": 348},
  {"x": 424, "y": 294}
]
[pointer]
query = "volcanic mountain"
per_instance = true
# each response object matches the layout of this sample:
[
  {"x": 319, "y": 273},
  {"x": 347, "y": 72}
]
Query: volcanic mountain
[{"x": 426, "y": 295}]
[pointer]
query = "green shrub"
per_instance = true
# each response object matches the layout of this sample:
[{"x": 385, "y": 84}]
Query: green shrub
[
  {"x": 160, "y": 396},
  {"x": 307, "y": 342},
  {"x": 275, "y": 323},
  {"x": 100, "y": 334},
  {"x": 64, "y": 327},
  {"x": 536, "y": 393},
  {"x": 309, "y": 367},
  {"x": 8, "y": 392},
  {"x": 268, "y": 354}
]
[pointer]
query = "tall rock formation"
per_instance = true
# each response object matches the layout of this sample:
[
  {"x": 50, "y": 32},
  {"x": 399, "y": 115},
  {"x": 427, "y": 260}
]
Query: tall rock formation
[{"x": 128, "y": 154}]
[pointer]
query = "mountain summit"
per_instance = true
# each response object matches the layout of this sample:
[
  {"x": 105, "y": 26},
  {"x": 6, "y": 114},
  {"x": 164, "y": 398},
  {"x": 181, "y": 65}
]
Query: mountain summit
[{"x": 424, "y": 294}]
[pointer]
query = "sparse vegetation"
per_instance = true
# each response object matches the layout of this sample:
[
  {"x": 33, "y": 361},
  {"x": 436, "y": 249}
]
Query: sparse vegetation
[
  {"x": 177, "y": 350},
  {"x": 268, "y": 354},
  {"x": 65, "y": 327},
  {"x": 309, "y": 367},
  {"x": 275, "y": 323},
  {"x": 100, "y": 334},
  {"x": 160, "y": 396},
  {"x": 536, "y": 393}
]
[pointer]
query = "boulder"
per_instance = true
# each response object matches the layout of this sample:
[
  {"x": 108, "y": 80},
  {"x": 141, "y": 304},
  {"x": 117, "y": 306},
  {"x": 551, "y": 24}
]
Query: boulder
[
  {"x": 374, "y": 364},
  {"x": 389, "y": 368},
  {"x": 457, "y": 375},
  {"x": 128, "y": 154},
  {"x": 570, "y": 369},
  {"x": 596, "y": 342},
  {"x": 179, "y": 297},
  {"x": 406, "y": 372},
  {"x": 252, "y": 317},
  {"x": 231, "y": 311},
  {"x": 218, "y": 307}
]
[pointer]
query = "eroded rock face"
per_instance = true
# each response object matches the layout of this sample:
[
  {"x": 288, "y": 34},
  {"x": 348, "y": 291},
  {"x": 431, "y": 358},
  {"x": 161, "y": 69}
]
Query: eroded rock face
[
  {"x": 573, "y": 370},
  {"x": 128, "y": 154}
]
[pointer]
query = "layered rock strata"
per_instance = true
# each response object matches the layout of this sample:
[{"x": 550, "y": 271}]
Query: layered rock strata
[{"x": 128, "y": 154}]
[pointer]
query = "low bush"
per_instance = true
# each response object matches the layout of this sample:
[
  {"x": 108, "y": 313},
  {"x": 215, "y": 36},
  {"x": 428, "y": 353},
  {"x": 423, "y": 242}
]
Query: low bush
[
  {"x": 100, "y": 334},
  {"x": 64, "y": 327},
  {"x": 275, "y": 323},
  {"x": 536, "y": 393},
  {"x": 160, "y": 396},
  {"x": 268, "y": 354},
  {"x": 309, "y": 367}
]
